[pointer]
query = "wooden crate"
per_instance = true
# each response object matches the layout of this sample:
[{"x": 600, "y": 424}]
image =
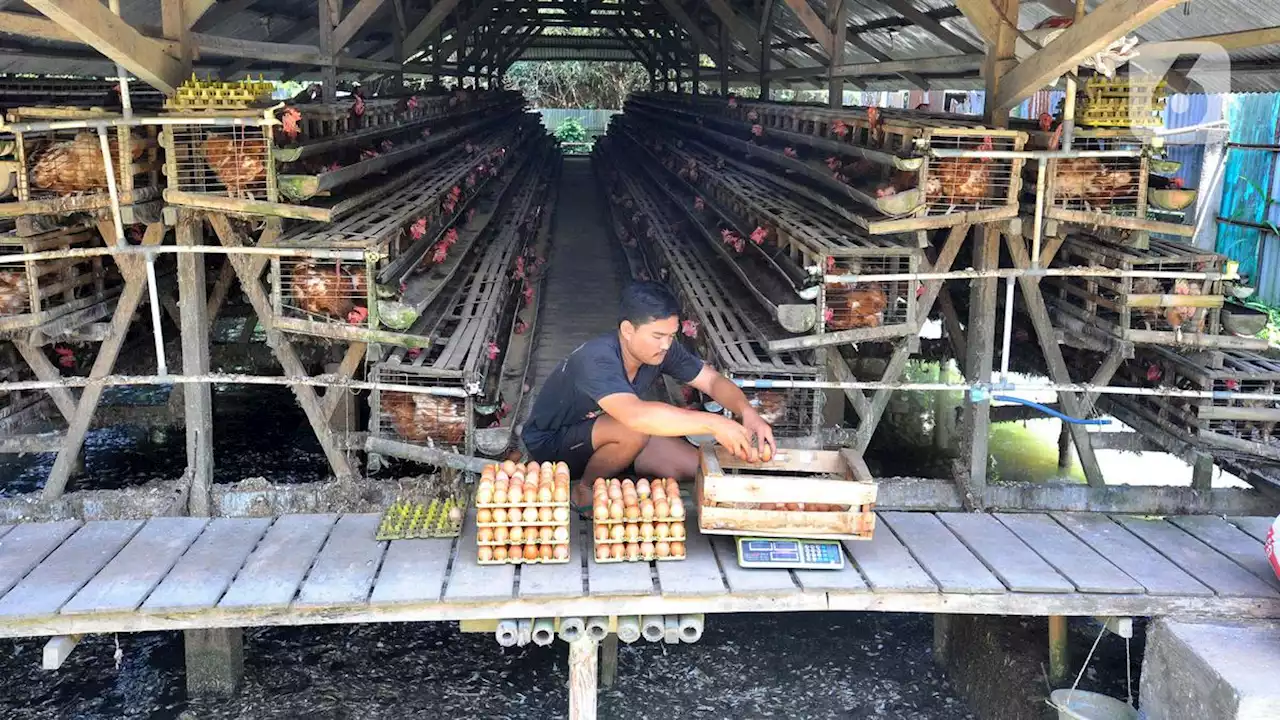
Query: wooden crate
[
  {"x": 39, "y": 291},
  {"x": 1244, "y": 426},
  {"x": 729, "y": 493},
  {"x": 50, "y": 165},
  {"x": 1143, "y": 310}
]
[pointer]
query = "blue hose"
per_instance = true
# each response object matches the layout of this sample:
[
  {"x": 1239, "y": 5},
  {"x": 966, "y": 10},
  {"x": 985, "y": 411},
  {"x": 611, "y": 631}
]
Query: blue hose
[{"x": 1050, "y": 411}]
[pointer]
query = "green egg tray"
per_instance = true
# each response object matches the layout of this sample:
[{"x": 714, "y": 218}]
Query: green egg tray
[{"x": 411, "y": 519}]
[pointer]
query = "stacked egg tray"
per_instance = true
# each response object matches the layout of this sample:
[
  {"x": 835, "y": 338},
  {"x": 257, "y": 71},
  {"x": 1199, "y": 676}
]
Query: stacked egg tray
[
  {"x": 522, "y": 514},
  {"x": 638, "y": 522},
  {"x": 413, "y": 519}
]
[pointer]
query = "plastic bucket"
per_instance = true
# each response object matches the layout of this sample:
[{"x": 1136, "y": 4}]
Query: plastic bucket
[{"x": 1090, "y": 706}]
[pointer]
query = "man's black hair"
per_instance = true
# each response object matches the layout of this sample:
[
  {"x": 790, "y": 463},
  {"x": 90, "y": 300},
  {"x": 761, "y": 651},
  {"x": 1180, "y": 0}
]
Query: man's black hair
[{"x": 644, "y": 302}]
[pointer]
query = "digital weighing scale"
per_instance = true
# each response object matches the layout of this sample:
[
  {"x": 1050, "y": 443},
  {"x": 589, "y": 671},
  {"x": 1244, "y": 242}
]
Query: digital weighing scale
[{"x": 801, "y": 554}]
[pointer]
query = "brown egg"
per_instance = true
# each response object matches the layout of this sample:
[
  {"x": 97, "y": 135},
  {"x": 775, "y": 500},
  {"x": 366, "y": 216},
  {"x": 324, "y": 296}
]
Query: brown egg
[
  {"x": 484, "y": 495},
  {"x": 602, "y": 552},
  {"x": 530, "y": 552},
  {"x": 560, "y": 514},
  {"x": 488, "y": 471},
  {"x": 617, "y": 532},
  {"x": 515, "y": 495},
  {"x": 544, "y": 514},
  {"x": 561, "y": 551},
  {"x": 616, "y": 551},
  {"x": 533, "y": 468},
  {"x": 546, "y": 467},
  {"x": 500, "y": 534},
  {"x": 485, "y": 553},
  {"x": 677, "y": 509},
  {"x": 562, "y": 468},
  {"x": 602, "y": 533},
  {"x": 646, "y": 509},
  {"x": 498, "y": 515},
  {"x": 673, "y": 488},
  {"x": 661, "y": 509},
  {"x": 508, "y": 467},
  {"x": 633, "y": 551},
  {"x": 642, "y": 487},
  {"x": 677, "y": 549},
  {"x": 545, "y": 493},
  {"x": 500, "y": 495},
  {"x": 663, "y": 548},
  {"x": 500, "y": 553},
  {"x": 544, "y": 552},
  {"x": 601, "y": 510},
  {"x": 615, "y": 510},
  {"x": 516, "y": 553},
  {"x": 484, "y": 534},
  {"x": 615, "y": 493},
  {"x": 546, "y": 534},
  {"x": 677, "y": 531},
  {"x": 530, "y": 514},
  {"x": 662, "y": 530},
  {"x": 516, "y": 534},
  {"x": 484, "y": 515},
  {"x": 628, "y": 485},
  {"x": 646, "y": 549},
  {"x": 632, "y": 512},
  {"x": 633, "y": 532},
  {"x": 646, "y": 530},
  {"x": 560, "y": 534}
]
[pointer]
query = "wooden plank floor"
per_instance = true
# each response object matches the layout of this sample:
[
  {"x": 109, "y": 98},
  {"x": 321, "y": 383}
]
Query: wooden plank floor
[{"x": 62, "y": 578}]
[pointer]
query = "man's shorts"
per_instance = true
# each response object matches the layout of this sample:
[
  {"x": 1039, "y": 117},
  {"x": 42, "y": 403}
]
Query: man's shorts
[{"x": 570, "y": 445}]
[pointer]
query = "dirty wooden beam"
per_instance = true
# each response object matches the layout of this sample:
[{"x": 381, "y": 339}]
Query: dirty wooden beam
[
  {"x": 947, "y": 64},
  {"x": 1096, "y": 31},
  {"x": 95, "y": 25},
  {"x": 197, "y": 398},
  {"x": 355, "y": 19},
  {"x": 1000, "y": 56},
  {"x": 835, "y": 51},
  {"x": 683, "y": 19},
  {"x": 984, "y": 17},
  {"x": 428, "y": 24},
  {"x": 931, "y": 26},
  {"x": 739, "y": 29},
  {"x": 805, "y": 13},
  {"x": 214, "y": 14}
]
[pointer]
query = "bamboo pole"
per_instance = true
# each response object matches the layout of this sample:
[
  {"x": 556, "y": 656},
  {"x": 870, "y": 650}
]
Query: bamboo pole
[
  {"x": 131, "y": 250},
  {"x": 1072, "y": 271}
]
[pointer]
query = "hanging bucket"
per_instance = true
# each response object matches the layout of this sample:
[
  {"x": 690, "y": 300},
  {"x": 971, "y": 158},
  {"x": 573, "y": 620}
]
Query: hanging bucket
[{"x": 1081, "y": 705}]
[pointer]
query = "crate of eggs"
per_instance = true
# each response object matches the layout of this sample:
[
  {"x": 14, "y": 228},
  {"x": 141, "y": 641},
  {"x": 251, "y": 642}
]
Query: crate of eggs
[
  {"x": 638, "y": 521},
  {"x": 522, "y": 513}
]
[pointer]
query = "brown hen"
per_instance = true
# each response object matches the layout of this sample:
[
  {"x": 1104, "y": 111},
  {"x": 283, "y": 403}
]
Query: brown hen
[
  {"x": 76, "y": 165},
  {"x": 419, "y": 418},
  {"x": 1090, "y": 181},
  {"x": 328, "y": 289},
  {"x": 239, "y": 162},
  {"x": 961, "y": 181},
  {"x": 771, "y": 405},
  {"x": 849, "y": 308},
  {"x": 14, "y": 292}
]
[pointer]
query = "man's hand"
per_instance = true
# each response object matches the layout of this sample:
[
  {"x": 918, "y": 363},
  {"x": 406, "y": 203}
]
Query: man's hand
[
  {"x": 762, "y": 433},
  {"x": 735, "y": 438}
]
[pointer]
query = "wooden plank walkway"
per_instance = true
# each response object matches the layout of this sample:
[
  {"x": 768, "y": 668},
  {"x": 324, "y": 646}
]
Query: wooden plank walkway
[{"x": 181, "y": 573}]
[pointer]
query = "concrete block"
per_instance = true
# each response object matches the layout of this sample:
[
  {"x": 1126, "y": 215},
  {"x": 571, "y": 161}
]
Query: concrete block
[
  {"x": 215, "y": 661},
  {"x": 1220, "y": 670}
]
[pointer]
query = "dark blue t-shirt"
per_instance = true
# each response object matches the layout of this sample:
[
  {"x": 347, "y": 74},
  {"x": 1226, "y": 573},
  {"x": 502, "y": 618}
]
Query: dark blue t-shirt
[{"x": 573, "y": 391}]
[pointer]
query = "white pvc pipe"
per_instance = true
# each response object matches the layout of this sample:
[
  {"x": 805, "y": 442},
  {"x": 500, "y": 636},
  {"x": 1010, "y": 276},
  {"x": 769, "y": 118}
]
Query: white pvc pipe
[
  {"x": 1008, "y": 329},
  {"x": 1032, "y": 154},
  {"x": 108, "y": 164},
  {"x": 1075, "y": 271},
  {"x": 230, "y": 379},
  {"x": 318, "y": 253},
  {"x": 157, "y": 333}
]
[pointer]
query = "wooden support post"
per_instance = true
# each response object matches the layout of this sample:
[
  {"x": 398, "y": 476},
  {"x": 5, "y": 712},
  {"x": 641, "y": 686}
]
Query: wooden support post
[
  {"x": 135, "y": 288},
  {"x": 1064, "y": 449},
  {"x": 215, "y": 661},
  {"x": 249, "y": 273},
  {"x": 198, "y": 398},
  {"x": 329, "y": 11},
  {"x": 63, "y": 398},
  {"x": 1202, "y": 473},
  {"x": 980, "y": 336},
  {"x": 582, "y": 679},
  {"x": 722, "y": 64},
  {"x": 838, "y": 21},
  {"x": 221, "y": 289},
  {"x": 766, "y": 39},
  {"x": 57, "y": 650},
  {"x": 609, "y": 660},
  {"x": 1072, "y": 403},
  {"x": 1058, "y": 658},
  {"x": 941, "y": 638}
]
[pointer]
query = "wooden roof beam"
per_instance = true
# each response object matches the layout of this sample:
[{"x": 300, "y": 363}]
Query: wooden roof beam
[
  {"x": 1241, "y": 40},
  {"x": 432, "y": 20},
  {"x": 739, "y": 29},
  {"x": 805, "y": 13},
  {"x": 984, "y": 17},
  {"x": 95, "y": 25},
  {"x": 216, "y": 14},
  {"x": 1096, "y": 31},
  {"x": 944, "y": 65},
  {"x": 356, "y": 18},
  {"x": 684, "y": 20},
  {"x": 931, "y": 26},
  {"x": 851, "y": 34}
]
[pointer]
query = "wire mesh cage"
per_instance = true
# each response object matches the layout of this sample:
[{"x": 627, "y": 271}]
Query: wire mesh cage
[
  {"x": 1115, "y": 187},
  {"x": 227, "y": 162},
  {"x": 792, "y": 412},
  {"x": 323, "y": 291},
  {"x": 1243, "y": 425},
  {"x": 64, "y": 171},
  {"x": 954, "y": 184},
  {"x": 1166, "y": 311},
  {"x": 880, "y": 303},
  {"x": 421, "y": 418},
  {"x": 19, "y": 408},
  {"x": 37, "y": 291}
]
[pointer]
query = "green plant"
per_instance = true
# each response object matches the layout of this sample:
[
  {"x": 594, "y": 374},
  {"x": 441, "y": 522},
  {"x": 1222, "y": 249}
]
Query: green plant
[{"x": 571, "y": 131}]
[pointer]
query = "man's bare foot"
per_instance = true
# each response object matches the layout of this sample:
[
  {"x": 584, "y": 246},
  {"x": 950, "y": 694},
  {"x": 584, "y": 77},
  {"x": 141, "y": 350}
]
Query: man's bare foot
[{"x": 582, "y": 494}]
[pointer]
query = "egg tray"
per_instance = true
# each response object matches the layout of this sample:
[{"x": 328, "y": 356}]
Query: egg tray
[
  {"x": 425, "y": 520},
  {"x": 624, "y": 521},
  {"x": 643, "y": 558},
  {"x": 522, "y": 561},
  {"x": 495, "y": 543}
]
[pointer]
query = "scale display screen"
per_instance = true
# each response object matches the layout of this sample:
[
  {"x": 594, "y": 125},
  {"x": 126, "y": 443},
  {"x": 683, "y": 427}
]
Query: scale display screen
[{"x": 790, "y": 553}]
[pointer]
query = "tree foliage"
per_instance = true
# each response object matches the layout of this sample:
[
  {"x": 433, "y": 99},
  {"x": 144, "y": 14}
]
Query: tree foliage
[
  {"x": 577, "y": 84},
  {"x": 571, "y": 131}
]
